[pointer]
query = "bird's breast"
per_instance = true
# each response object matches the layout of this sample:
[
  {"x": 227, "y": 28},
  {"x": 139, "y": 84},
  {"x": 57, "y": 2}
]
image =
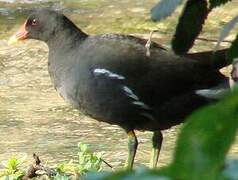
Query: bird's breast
[{"x": 65, "y": 80}]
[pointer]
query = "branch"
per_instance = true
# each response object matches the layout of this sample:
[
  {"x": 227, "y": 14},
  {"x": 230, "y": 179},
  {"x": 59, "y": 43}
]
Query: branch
[{"x": 37, "y": 166}]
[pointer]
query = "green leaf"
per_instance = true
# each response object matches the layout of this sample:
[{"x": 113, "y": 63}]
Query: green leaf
[
  {"x": 205, "y": 139},
  {"x": 137, "y": 174},
  {"x": 61, "y": 177},
  {"x": 87, "y": 161},
  {"x": 190, "y": 24},
  {"x": 83, "y": 147},
  {"x": 12, "y": 168}
]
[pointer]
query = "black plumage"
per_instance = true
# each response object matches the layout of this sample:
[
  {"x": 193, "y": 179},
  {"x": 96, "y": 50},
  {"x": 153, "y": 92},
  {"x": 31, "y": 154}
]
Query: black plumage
[{"x": 110, "y": 78}]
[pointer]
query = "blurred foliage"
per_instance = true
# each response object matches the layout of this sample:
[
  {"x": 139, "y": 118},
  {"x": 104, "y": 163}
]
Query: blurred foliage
[
  {"x": 12, "y": 169},
  {"x": 206, "y": 138},
  {"x": 190, "y": 24}
]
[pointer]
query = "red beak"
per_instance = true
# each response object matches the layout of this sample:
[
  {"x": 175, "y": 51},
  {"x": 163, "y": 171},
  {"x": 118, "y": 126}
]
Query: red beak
[{"x": 21, "y": 34}]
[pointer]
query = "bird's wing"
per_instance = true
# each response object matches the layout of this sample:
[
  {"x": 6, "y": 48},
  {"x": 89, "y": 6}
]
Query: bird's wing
[
  {"x": 116, "y": 97},
  {"x": 153, "y": 78}
]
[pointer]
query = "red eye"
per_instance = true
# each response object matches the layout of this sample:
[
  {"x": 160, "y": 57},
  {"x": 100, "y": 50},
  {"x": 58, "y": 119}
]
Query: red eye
[{"x": 34, "y": 22}]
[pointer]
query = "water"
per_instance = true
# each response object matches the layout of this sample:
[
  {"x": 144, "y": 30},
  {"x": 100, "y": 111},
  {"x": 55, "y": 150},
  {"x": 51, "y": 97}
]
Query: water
[{"x": 33, "y": 118}]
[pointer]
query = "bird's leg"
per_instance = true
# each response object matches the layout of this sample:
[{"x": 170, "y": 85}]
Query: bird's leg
[
  {"x": 156, "y": 142},
  {"x": 132, "y": 147}
]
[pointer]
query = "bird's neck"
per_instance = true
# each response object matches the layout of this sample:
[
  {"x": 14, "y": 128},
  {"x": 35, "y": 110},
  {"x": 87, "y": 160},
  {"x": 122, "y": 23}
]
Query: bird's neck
[{"x": 66, "y": 38}]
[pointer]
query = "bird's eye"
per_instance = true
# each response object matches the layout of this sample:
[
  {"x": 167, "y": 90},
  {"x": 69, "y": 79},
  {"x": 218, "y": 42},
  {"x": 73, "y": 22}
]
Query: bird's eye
[{"x": 34, "y": 22}]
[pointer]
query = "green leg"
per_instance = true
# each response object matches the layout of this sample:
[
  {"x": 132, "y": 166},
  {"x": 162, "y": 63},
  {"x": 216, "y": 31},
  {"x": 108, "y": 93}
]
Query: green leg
[
  {"x": 132, "y": 147},
  {"x": 157, "y": 142}
]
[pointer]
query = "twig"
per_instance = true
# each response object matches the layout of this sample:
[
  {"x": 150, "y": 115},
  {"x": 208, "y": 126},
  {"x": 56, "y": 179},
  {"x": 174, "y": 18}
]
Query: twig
[
  {"x": 109, "y": 165},
  {"x": 198, "y": 38},
  {"x": 37, "y": 166},
  {"x": 212, "y": 40}
]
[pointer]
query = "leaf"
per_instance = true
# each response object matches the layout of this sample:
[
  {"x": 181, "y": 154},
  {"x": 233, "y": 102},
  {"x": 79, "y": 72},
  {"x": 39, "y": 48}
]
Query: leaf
[
  {"x": 61, "y": 177},
  {"x": 12, "y": 163},
  {"x": 137, "y": 174},
  {"x": 225, "y": 31},
  {"x": 205, "y": 139},
  {"x": 215, "y": 3},
  {"x": 163, "y": 9},
  {"x": 83, "y": 147},
  {"x": 190, "y": 24}
]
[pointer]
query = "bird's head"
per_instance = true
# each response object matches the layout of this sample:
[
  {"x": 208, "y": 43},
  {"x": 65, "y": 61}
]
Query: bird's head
[{"x": 40, "y": 25}]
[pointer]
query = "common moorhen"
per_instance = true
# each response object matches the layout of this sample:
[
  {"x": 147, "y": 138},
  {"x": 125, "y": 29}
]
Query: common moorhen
[{"x": 110, "y": 78}]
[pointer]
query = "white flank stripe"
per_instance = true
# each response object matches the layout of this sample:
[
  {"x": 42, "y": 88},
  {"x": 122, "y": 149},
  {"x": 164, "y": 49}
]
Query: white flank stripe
[
  {"x": 130, "y": 93},
  {"x": 108, "y": 73},
  {"x": 212, "y": 93},
  {"x": 139, "y": 103},
  {"x": 149, "y": 116}
]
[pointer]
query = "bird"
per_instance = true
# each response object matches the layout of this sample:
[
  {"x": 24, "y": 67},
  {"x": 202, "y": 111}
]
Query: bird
[{"x": 111, "y": 78}]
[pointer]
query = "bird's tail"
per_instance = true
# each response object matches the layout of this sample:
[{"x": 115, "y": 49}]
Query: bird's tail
[{"x": 216, "y": 59}]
